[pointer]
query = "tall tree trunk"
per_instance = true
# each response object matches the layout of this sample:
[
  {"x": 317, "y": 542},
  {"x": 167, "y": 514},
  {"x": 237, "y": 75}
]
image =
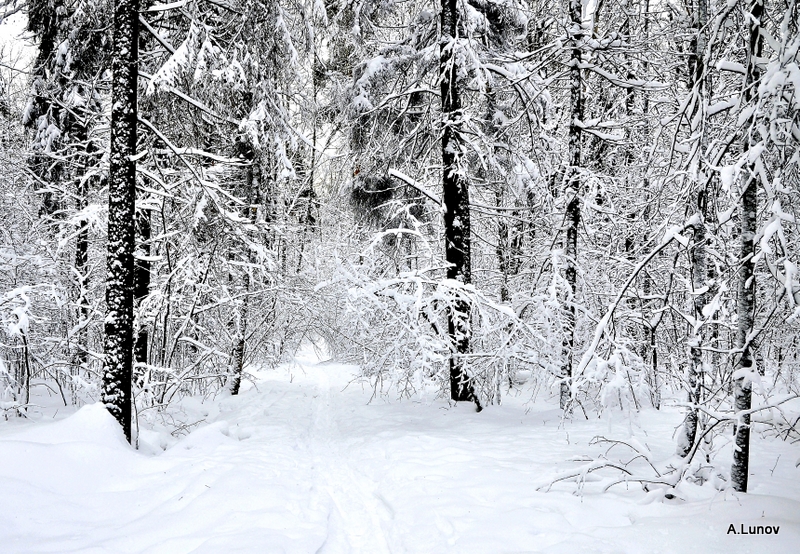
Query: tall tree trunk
[
  {"x": 253, "y": 201},
  {"x": 506, "y": 240},
  {"x": 117, "y": 371},
  {"x": 649, "y": 349},
  {"x": 742, "y": 385},
  {"x": 308, "y": 219},
  {"x": 144, "y": 230},
  {"x": 45, "y": 21},
  {"x": 82, "y": 266},
  {"x": 456, "y": 202},
  {"x": 572, "y": 199},
  {"x": 699, "y": 86}
]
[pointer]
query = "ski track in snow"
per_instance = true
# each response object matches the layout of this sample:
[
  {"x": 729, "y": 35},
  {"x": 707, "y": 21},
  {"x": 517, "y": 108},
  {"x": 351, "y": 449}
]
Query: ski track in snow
[
  {"x": 303, "y": 463},
  {"x": 354, "y": 521}
]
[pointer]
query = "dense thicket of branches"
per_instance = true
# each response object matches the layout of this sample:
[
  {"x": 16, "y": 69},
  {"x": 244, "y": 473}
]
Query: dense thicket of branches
[{"x": 593, "y": 201}]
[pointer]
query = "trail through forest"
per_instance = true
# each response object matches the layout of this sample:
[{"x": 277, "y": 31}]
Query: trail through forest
[{"x": 303, "y": 462}]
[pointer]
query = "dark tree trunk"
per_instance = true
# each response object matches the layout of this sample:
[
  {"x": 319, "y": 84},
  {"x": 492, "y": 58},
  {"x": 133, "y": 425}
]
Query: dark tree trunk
[
  {"x": 117, "y": 371},
  {"x": 142, "y": 284},
  {"x": 456, "y": 202},
  {"x": 45, "y": 21},
  {"x": 509, "y": 235},
  {"x": 308, "y": 220},
  {"x": 82, "y": 269},
  {"x": 237, "y": 356},
  {"x": 572, "y": 199},
  {"x": 742, "y": 386},
  {"x": 144, "y": 231},
  {"x": 503, "y": 252}
]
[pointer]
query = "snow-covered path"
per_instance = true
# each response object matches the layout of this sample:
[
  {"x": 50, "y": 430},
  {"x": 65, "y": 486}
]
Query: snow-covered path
[{"x": 302, "y": 464}]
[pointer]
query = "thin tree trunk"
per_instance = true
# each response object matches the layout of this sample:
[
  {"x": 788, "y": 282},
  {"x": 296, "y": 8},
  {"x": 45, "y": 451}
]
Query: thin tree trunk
[
  {"x": 27, "y": 370},
  {"x": 237, "y": 356},
  {"x": 82, "y": 276},
  {"x": 46, "y": 27},
  {"x": 572, "y": 199},
  {"x": 142, "y": 285},
  {"x": 81, "y": 285},
  {"x": 503, "y": 251},
  {"x": 308, "y": 218},
  {"x": 742, "y": 385},
  {"x": 699, "y": 86},
  {"x": 649, "y": 351},
  {"x": 505, "y": 242},
  {"x": 118, "y": 363},
  {"x": 254, "y": 199},
  {"x": 456, "y": 202}
]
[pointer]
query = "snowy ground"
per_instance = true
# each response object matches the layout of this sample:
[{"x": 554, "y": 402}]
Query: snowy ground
[{"x": 297, "y": 464}]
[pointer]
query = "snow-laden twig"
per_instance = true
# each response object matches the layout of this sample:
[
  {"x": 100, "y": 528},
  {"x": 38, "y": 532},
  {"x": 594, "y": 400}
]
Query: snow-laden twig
[{"x": 603, "y": 325}]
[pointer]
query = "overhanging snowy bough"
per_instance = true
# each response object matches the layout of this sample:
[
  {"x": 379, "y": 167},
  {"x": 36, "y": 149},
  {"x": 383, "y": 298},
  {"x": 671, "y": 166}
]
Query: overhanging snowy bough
[{"x": 398, "y": 334}]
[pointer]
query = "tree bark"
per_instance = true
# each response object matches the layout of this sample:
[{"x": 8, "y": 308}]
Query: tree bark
[
  {"x": 117, "y": 371},
  {"x": 253, "y": 199},
  {"x": 572, "y": 199},
  {"x": 82, "y": 267},
  {"x": 699, "y": 85},
  {"x": 456, "y": 202},
  {"x": 142, "y": 285},
  {"x": 742, "y": 385},
  {"x": 650, "y": 347}
]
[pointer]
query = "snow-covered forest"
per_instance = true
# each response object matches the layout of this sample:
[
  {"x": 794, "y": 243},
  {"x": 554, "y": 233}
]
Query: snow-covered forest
[{"x": 399, "y": 276}]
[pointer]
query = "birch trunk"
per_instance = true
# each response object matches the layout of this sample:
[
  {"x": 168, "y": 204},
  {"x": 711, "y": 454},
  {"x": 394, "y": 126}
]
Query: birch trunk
[
  {"x": 698, "y": 83},
  {"x": 82, "y": 271},
  {"x": 742, "y": 385},
  {"x": 572, "y": 199}
]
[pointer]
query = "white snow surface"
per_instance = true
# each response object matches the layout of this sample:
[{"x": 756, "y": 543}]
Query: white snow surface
[{"x": 302, "y": 462}]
